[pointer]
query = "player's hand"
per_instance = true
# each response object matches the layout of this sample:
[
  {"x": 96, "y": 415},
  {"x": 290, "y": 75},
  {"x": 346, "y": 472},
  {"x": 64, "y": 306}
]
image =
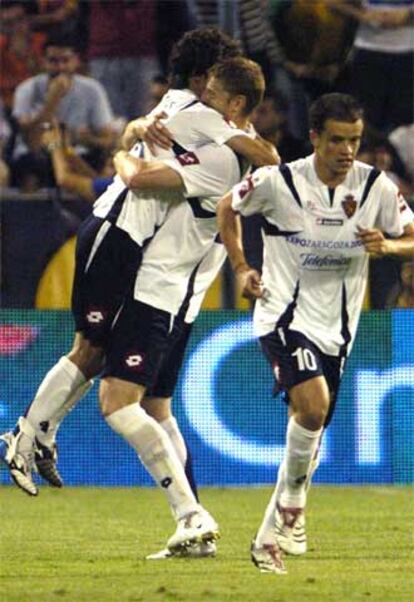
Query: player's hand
[
  {"x": 374, "y": 241},
  {"x": 250, "y": 282},
  {"x": 156, "y": 134}
]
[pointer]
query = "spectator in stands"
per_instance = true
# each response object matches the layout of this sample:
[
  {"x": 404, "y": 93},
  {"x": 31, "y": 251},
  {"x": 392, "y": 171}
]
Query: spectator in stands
[
  {"x": 21, "y": 49},
  {"x": 377, "y": 150},
  {"x": 316, "y": 40},
  {"x": 382, "y": 65},
  {"x": 301, "y": 45},
  {"x": 270, "y": 121},
  {"x": 402, "y": 294},
  {"x": 5, "y": 133},
  {"x": 71, "y": 172},
  {"x": 122, "y": 52},
  {"x": 248, "y": 21},
  {"x": 56, "y": 17},
  {"x": 78, "y": 102},
  {"x": 402, "y": 140}
]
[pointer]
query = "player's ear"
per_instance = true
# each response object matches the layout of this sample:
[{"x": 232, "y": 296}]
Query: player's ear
[
  {"x": 198, "y": 84},
  {"x": 314, "y": 138},
  {"x": 240, "y": 103}
]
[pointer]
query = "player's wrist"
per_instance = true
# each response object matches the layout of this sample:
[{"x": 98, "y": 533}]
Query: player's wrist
[{"x": 241, "y": 267}]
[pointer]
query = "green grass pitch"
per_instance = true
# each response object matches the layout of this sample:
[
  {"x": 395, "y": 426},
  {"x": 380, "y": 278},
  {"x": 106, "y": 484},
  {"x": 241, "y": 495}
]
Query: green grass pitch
[{"x": 86, "y": 544}]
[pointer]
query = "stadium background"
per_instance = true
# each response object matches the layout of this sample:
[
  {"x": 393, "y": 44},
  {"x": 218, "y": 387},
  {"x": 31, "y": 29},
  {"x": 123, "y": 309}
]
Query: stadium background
[{"x": 223, "y": 401}]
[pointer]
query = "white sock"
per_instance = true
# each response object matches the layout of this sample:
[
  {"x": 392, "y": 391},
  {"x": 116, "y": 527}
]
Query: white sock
[
  {"x": 170, "y": 426},
  {"x": 60, "y": 389},
  {"x": 27, "y": 437},
  {"x": 314, "y": 465},
  {"x": 157, "y": 453},
  {"x": 301, "y": 446},
  {"x": 265, "y": 533}
]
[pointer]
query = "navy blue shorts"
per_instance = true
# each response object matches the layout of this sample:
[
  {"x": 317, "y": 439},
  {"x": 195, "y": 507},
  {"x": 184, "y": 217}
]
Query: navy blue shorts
[
  {"x": 295, "y": 359},
  {"x": 107, "y": 260},
  {"x": 173, "y": 360},
  {"x": 138, "y": 343}
]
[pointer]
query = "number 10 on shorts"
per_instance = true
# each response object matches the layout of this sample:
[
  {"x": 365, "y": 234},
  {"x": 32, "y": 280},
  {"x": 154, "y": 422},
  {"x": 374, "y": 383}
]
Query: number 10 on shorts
[{"x": 305, "y": 359}]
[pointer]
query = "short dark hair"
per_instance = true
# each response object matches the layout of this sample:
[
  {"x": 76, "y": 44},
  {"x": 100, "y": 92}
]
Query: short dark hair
[
  {"x": 60, "y": 41},
  {"x": 241, "y": 76},
  {"x": 160, "y": 79},
  {"x": 197, "y": 51},
  {"x": 341, "y": 107}
]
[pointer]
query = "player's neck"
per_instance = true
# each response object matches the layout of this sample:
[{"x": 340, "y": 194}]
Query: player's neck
[
  {"x": 326, "y": 175},
  {"x": 241, "y": 121}
]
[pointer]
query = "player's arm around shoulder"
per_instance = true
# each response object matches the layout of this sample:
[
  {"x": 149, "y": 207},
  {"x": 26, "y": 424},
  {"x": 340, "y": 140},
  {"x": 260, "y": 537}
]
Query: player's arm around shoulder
[
  {"x": 258, "y": 151},
  {"x": 140, "y": 174},
  {"x": 149, "y": 129}
]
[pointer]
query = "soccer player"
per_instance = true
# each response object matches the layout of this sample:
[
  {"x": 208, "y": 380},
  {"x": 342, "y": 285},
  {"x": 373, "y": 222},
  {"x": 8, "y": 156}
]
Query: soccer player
[
  {"x": 323, "y": 216},
  {"x": 141, "y": 334},
  {"x": 152, "y": 444}
]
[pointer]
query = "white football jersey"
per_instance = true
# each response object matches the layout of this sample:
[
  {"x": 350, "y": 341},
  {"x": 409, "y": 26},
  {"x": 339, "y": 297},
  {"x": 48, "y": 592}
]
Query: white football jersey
[
  {"x": 171, "y": 261},
  {"x": 192, "y": 124},
  {"x": 205, "y": 275},
  {"x": 314, "y": 266}
]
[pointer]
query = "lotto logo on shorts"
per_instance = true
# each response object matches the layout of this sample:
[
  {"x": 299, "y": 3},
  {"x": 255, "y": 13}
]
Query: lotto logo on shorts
[
  {"x": 134, "y": 361},
  {"x": 94, "y": 317}
]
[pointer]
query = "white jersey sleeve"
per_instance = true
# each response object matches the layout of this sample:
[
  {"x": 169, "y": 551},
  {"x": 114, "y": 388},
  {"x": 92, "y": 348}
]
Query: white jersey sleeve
[
  {"x": 192, "y": 123},
  {"x": 394, "y": 213},
  {"x": 220, "y": 130},
  {"x": 254, "y": 193},
  {"x": 207, "y": 171},
  {"x": 199, "y": 124}
]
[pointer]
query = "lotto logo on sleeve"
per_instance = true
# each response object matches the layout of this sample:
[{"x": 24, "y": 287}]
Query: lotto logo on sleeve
[
  {"x": 188, "y": 159},
  {"x": 245, "y": 187},
  {"x": 401, "y": 202},
  {"x": 134, "y": 361}
]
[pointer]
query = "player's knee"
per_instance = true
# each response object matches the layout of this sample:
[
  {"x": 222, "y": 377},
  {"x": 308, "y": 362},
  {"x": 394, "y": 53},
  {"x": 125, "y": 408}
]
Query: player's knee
[
  {"x": 157, "y": 407},
  {"x": 115, "y": 394},
  {"x": 311, "y": 413},
  {"x": 87, "y": 357}
]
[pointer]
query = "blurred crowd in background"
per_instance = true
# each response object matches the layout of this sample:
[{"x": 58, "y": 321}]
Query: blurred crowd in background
[{"x": 74, "y": 72}]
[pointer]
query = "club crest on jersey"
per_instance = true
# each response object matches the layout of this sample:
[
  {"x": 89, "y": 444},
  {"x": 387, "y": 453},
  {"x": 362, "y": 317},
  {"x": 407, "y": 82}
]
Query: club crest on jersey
[
  {"x": 349, "y": 205},
  {"x": 188, "y": 159}
]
